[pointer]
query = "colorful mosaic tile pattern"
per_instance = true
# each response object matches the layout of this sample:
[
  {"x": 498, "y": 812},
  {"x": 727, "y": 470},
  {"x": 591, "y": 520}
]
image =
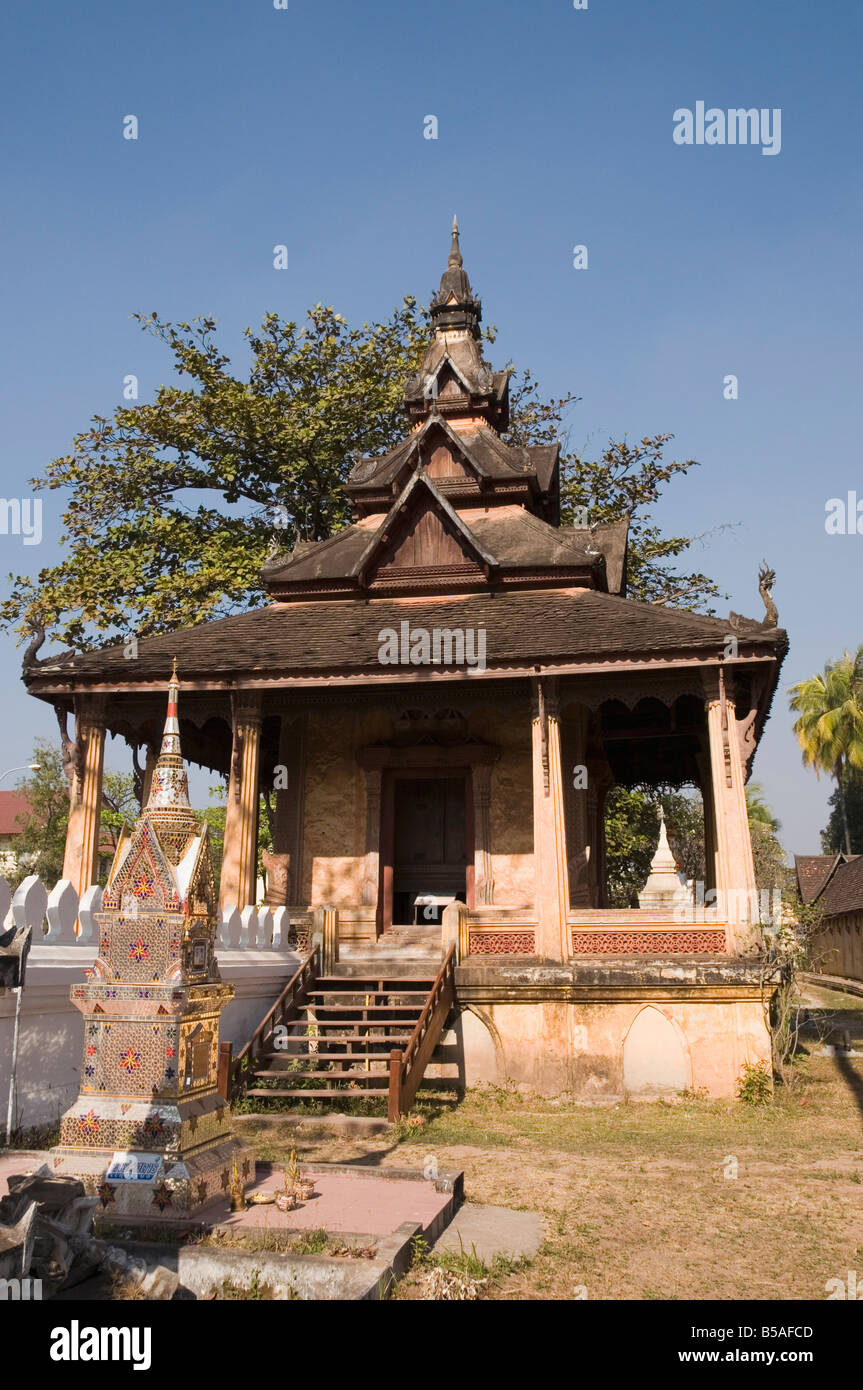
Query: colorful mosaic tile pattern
[{"x": 151, "y": 1007}]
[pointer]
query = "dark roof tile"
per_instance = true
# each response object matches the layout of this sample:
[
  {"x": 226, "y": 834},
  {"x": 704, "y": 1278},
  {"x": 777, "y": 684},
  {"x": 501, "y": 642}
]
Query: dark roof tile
[
  {"x": 844, "y": 892},
  {"x": 523, "y": 627}
]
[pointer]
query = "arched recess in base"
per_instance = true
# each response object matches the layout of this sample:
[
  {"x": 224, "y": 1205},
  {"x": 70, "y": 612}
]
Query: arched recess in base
[
  {"x": 655, "y": 1056},
  {"x": 481, "y": 1052}
]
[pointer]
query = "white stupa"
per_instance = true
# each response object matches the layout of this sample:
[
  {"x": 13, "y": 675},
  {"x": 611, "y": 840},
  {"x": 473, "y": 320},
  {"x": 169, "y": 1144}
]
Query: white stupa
[{"x": 666, "y": 887}]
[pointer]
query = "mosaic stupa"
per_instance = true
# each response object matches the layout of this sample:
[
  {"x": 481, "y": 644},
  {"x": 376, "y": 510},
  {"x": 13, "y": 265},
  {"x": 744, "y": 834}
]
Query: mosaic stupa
[{"x": 149, "y": 1133}]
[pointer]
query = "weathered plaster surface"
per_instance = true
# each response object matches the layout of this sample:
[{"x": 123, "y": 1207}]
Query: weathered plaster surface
[
  {"x": 569, "y": 1035},
  {"x": 334, "y": 810},
  {"x": 511, "y": 806}
]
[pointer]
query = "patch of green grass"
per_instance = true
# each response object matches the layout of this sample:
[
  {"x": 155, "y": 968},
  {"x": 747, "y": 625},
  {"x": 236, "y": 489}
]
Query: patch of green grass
[
  {"x": 36, "y": 1137},
  {"x": 315, "y": 1243},
  {"x": 256, "y": 1291}
]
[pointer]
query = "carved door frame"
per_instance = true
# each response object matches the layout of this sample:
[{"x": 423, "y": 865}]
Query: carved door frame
[{"x": 414, "y": 772}]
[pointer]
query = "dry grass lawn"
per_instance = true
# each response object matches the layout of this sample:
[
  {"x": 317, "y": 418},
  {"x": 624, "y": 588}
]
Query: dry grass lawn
[{"x": 635, "y": 1199}]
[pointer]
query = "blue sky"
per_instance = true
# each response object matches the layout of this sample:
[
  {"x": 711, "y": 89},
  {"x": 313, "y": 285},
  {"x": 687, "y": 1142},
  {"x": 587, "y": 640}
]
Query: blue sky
[{"x": 305, "y": 127}]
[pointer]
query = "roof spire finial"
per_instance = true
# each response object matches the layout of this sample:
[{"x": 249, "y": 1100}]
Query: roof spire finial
[{"x": 455, "y": 249}]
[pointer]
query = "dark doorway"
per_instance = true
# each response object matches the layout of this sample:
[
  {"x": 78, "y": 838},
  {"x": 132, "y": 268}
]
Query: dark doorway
[{"x": 429, "y": 845}]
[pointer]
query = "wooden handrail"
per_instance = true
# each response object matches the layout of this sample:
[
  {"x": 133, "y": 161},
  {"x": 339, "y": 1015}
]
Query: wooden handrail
[
  {"x": 284, "y": 1010},
  {"x": 406, "y": 1071}
]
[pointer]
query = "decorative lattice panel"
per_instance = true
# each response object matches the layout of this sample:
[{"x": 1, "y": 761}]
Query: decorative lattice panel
[{"x": 655, "y": 943}]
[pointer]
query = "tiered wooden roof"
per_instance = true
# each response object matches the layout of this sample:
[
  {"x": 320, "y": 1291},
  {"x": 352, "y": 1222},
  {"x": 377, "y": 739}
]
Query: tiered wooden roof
[{"x": 454, "y": 528}]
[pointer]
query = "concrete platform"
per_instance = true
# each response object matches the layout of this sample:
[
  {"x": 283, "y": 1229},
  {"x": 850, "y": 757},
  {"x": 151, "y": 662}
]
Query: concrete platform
[
  {"x": 492, "y": 1231},
  {"x": 345, "y": 1200},
  {"x": 349, "y": 1199}
]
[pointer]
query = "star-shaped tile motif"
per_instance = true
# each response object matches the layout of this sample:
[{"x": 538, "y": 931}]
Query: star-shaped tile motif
[
  {"x": 131, "y": 1060},
  {"x": 106, "y": 1193},
  {"x": 162, "y": 1196}
]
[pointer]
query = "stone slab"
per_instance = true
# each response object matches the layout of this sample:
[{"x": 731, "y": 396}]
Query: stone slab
[
  {"x": 19, "y": 1161},
  {"x": 492, "y": 1231},
  {"x": 346, "y": 1126}
]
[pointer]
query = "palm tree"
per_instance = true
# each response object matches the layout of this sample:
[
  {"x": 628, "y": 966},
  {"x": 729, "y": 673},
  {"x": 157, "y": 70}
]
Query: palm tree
[
  {"x": 829, "y": 726},
  {"x": 758, "y": 812}
]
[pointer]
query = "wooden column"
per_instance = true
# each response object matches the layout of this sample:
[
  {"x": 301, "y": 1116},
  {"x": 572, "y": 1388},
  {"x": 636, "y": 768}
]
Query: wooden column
[
  {"x": 600, "y": 780},
  {"x": 241, "y": 818},
  {"x": 283, "y": 865},
  {"x": 735, "y": 871},
  {"x": 483, "y": 874},
  {"x": 706, "y": 786},
  {"x": 81, "y": 859},
  {"x": 372, "y": 862},
  {"x": 149, "y": 768},
  {"x": 577, "y": 800},
  {"x": 549, "y": 826}
]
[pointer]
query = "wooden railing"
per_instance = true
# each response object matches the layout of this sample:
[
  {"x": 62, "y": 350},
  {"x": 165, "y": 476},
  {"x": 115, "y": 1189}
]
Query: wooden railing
[
  {"x": 285, "y": 1010},
  {"x": 407, "y": 1068}
]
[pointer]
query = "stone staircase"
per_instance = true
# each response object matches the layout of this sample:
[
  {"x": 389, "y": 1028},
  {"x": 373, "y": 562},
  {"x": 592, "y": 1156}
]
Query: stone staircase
[{"x": 397, "y": 953}]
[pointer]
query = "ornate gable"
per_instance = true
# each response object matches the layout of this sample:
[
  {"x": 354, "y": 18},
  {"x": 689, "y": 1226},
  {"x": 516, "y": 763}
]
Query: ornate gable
[
  {"x": 422, "y": 533},
  {"x": 144, "y": 882},
  {"x": 422, "y": 541}
]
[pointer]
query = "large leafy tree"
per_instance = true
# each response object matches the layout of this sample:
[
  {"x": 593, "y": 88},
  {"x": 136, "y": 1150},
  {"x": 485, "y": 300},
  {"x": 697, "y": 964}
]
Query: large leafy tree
[
  {"x": 172, "y": 505},
  {"x": 43, "y": 826},
  {"x": 625, "y": 480},
  {"x": 829, "y": 725},
  {"x": 632, "y": 834},
  {"x": 768, "y": 856}
]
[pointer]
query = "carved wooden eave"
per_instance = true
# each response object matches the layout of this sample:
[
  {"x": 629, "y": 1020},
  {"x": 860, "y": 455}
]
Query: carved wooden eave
[{"x": 59, "y": 687}]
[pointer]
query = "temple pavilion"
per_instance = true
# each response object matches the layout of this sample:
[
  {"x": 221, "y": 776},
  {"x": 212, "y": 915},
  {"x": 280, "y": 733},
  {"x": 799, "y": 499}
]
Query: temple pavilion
[{"x": 436, "y": 701}]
